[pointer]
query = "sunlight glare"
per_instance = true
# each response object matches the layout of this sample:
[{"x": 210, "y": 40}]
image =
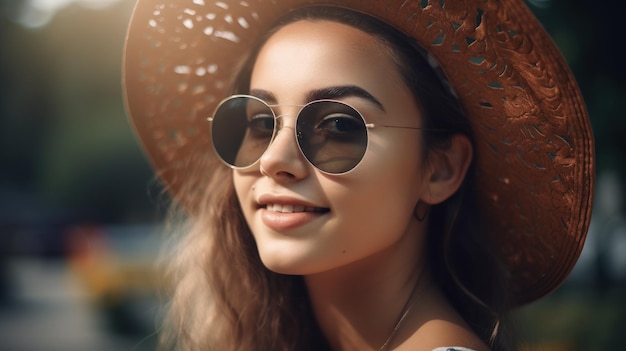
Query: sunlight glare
[{"x": 37, "y": 13}]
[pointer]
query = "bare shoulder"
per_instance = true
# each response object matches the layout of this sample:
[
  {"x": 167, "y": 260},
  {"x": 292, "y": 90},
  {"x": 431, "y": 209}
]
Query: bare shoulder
[
  {"x": 450, "y": 335},
  {"x": 439, "y": 327},
  {"x": 443, "y": 335}
]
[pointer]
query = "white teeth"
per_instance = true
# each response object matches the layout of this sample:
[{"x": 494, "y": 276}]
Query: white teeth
[{"x": 291, "y": 208}]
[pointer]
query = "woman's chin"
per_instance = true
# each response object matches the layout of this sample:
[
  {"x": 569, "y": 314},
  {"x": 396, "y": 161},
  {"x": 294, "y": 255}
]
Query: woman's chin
[
  {"x": 288, "y": 266},
  {"x": 292, "y": 263}
]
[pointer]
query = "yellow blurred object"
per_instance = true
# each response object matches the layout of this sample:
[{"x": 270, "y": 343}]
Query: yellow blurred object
[{"x": 110, "y": 271}]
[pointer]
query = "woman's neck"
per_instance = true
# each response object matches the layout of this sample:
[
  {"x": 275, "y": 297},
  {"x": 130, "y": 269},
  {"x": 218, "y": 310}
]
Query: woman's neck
[{"x": 357, "y": 306}]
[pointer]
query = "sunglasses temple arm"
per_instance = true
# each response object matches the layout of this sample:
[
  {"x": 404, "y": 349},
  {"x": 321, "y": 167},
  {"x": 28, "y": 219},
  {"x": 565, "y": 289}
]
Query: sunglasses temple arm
[{"x": 372, "y": 125}]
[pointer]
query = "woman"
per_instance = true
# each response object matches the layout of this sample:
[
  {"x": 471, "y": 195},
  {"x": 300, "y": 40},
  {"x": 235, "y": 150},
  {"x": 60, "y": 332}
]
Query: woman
[{"x": 369, "y": 199}]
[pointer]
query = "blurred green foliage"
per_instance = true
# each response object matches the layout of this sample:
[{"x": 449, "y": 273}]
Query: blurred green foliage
[{"x": 64, "y": 136}]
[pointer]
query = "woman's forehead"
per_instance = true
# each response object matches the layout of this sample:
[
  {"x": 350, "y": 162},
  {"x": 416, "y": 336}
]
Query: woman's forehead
[
  {"x": 319, "y": 53},
  {"x": 331, "y": 31}
]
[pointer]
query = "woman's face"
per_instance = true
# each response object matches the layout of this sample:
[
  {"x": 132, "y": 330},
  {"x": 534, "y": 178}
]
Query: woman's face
[{"x": 305, "y": 221}]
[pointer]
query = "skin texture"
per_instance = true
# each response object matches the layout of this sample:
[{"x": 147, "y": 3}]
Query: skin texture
[{"x": 362, "y": 255}]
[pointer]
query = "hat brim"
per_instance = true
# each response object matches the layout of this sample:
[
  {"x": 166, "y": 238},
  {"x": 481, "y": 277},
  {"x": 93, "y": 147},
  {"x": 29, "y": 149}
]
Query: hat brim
[{"x": 534, "y": 144}]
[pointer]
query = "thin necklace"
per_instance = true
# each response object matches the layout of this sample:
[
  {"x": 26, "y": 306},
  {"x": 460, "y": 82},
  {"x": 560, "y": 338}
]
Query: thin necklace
[{"x": 408, "y": 306}]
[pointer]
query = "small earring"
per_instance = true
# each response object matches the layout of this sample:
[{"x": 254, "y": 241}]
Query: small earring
[{"x": 421, "y": 211}]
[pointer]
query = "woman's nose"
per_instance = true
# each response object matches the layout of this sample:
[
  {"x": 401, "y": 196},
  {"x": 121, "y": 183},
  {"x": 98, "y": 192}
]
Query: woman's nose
[{"x": 283, "y": 160}]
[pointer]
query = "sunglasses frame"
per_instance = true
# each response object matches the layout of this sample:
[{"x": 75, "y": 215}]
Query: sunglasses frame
[{"x": 368, "y": 126}]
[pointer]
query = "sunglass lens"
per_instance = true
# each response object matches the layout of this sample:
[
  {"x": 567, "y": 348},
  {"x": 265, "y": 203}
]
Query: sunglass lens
[
  {"x": 242, "y": 129},
  {"x": 332, "y": 136}
]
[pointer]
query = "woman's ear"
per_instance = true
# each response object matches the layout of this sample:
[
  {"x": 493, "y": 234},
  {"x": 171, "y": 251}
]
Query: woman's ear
[{"x": 447, "y": 169}]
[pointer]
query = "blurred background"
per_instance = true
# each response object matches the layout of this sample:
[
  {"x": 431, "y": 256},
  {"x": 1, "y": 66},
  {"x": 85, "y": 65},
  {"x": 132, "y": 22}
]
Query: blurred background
[{"x": 80, "y": 212}]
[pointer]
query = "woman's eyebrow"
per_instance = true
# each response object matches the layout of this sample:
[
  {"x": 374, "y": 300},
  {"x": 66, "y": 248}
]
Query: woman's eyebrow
[
  {"x": 329, "y": 93},
  {"x": 343, "y": 91},
  {"x": 264, "y": 95}
]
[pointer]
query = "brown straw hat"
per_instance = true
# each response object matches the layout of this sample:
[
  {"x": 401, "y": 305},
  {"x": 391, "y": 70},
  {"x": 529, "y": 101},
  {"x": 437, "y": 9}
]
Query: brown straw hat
[{"x": 534, "y": 144}]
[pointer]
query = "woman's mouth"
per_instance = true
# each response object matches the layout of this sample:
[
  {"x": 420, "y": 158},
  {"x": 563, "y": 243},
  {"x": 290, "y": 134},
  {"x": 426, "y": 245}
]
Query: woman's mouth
[
  {"x": 294, "y": 208},
  {"x": 282, "y": 217}
]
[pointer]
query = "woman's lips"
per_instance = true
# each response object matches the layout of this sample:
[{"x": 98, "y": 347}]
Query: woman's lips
[
  {"x": 281, "y": 217},
  {"x": 293, "y": 208}
]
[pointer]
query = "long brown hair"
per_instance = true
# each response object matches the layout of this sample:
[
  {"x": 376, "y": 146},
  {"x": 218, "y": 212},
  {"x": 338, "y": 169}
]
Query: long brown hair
[{"x": 223, "y": 298}]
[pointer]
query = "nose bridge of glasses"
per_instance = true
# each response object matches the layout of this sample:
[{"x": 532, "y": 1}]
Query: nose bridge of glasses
[
  {"x": 281, "y": 124},
  {"x": 282, "y": 112}
]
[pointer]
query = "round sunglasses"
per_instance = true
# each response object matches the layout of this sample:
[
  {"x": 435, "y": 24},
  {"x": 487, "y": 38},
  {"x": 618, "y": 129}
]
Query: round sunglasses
[{"x": 332, "y": 135}]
